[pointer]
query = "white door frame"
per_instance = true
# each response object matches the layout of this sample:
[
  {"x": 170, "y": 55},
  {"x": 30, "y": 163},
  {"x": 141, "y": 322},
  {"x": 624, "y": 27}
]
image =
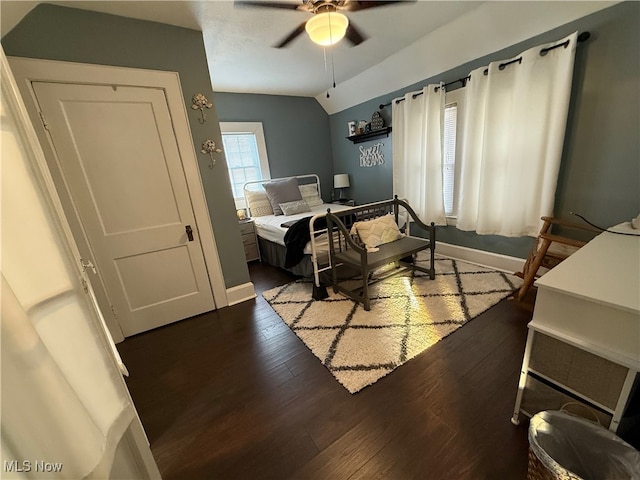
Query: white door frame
[{"x": 28, "y": 70}]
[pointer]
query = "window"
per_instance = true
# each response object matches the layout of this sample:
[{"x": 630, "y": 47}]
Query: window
[
  {"x": 246, "y": 154},
  {"x": 451, "y": 147}
]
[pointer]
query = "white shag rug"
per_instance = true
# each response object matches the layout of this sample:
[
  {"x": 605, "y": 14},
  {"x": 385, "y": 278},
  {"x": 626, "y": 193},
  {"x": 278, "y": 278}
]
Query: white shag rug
[{"x": 409, "y": 313}]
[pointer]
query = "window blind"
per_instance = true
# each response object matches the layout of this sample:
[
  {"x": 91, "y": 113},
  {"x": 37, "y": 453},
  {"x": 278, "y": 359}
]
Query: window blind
[
  {"x": 243, "y": 160},
  {"x": 449, "y": 157}
]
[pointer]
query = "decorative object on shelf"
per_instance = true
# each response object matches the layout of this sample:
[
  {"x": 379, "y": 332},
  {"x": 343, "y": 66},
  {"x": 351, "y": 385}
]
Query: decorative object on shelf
[
  {"x": 242, "y": 214},
  {"x": 377, "y": 122},
  {"x": 362, "y": 124},
  {"x": 200, "y": 102},
  {"x": 363, "y": 137},
  {"x": 340, "y": 182},
  {"x": 352, "y": 128},
  {"x": 372, "y": 156},
  {"x": 209, "y": 147}
]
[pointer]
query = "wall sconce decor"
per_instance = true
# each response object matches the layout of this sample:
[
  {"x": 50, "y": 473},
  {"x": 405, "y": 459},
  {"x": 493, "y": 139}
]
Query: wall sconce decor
[
  {"x": 209, "y": 147},
  {"x": 200, "y": 102}
]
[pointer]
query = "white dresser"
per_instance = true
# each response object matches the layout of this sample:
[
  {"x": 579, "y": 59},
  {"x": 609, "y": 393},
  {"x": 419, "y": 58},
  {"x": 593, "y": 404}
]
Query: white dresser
[{"x": 583, "y": 345}]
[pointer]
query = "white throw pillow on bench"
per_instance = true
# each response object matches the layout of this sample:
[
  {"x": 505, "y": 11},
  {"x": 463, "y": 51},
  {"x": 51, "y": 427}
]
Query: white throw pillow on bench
[{"x": 378, "y": 231}]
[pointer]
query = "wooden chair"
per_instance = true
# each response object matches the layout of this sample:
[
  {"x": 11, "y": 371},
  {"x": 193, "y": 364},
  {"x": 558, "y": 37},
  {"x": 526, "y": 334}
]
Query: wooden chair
[{"x": 548, "y": 251}]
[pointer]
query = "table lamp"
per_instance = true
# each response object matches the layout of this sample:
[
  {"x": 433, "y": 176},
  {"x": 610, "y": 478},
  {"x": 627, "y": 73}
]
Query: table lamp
[{"x": 340, "y": 182}]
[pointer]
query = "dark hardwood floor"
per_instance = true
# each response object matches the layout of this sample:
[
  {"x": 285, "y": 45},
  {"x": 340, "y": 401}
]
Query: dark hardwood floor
[{"x": 234, "y": 394}]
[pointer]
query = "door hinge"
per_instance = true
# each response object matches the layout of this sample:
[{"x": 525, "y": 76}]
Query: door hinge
[
  {"x": 88, "y": 264},
  {"x": 44, "y": 121},
  {"x": 115, "y": 312}
]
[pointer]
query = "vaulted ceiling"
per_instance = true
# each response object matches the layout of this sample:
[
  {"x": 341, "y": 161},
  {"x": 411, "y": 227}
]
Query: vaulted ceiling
[{"x": 405, "y": 43}]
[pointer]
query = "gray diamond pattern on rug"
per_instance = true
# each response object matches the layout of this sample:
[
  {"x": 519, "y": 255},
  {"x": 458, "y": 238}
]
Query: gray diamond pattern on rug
[{"x": 409, "y": 313}]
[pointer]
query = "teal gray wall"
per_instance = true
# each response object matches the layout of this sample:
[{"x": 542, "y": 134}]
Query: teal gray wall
[
  {"x": 600, "y": 170},
  {"x": 296, "y": 131},
  {"x": 59, "y": 33}
]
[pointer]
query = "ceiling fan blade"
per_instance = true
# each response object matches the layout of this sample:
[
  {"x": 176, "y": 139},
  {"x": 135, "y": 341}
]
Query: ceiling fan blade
[
  {"x": 355, "y": 5},
  {"x": 354, "y": 35},
  {"x": 279, "y": 5},
  {"x": 291, "y": 36}
]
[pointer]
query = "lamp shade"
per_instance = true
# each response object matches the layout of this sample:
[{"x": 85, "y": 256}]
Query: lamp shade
[
  {"x": 327, "y": 28},
  {"x": 341, "y": 180}
]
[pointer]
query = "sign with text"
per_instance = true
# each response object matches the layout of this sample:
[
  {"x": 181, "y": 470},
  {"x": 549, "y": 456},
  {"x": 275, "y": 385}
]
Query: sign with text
[{"x": 372, "y": 156}]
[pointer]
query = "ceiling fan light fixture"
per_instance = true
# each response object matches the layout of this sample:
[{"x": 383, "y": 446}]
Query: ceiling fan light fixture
[{"x": 327, "y": 28}]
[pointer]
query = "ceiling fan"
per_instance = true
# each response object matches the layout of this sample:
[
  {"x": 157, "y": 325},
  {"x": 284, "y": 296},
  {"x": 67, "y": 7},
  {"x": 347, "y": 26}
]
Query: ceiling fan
[{"x": 327, "y": 26}]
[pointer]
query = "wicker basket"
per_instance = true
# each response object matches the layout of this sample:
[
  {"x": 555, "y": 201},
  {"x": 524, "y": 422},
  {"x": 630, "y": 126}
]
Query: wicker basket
[{"x": 536, "y": 470}]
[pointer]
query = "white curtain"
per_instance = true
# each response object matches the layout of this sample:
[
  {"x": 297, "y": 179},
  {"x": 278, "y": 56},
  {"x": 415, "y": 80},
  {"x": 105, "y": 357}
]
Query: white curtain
[
  {"x": 514, "y": 126},
  {"x": 417, "y": 152}
]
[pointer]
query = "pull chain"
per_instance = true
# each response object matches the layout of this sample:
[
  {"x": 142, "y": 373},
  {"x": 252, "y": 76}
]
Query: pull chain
[
  {"x": 333, "y": 68},
  {"x": 326, "y": 69}
]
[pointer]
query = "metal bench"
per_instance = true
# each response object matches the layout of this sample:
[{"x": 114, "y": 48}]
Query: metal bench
[{"x": 344, "y": 250}]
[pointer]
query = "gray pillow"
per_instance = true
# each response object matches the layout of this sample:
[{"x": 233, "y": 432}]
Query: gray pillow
[{"x": 282, "y": 191}]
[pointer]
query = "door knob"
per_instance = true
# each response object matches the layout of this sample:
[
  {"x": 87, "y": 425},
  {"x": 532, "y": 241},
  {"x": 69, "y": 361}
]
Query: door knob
[{"x": 189, "y": 231}]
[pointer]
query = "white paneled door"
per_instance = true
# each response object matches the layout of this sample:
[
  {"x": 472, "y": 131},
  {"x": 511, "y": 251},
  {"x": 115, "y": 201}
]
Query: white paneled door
[{"x": 119, "y": 157}]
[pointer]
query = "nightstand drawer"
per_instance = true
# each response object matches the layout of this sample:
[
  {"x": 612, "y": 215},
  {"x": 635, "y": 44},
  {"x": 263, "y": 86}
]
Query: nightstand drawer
[
  {"x": 246, "y": 227},
  {"x": 251, "y": 252},
  {"x": 248, "y": 239}
]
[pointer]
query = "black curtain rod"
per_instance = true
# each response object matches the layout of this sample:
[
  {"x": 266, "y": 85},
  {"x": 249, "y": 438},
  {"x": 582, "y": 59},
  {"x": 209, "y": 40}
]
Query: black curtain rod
[
  {"x": 583, "y": 37},
  {"x": 461, "y": 80}
]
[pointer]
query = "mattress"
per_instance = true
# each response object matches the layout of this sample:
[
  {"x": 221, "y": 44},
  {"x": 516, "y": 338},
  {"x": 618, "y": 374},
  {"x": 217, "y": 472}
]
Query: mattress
[{"x": 269, "y": 226}]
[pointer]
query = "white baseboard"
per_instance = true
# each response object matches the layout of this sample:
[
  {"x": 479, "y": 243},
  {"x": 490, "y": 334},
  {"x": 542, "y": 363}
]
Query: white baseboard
[
  {"x": 496, "y": 261},
  {"x": 240, "y": 293}
]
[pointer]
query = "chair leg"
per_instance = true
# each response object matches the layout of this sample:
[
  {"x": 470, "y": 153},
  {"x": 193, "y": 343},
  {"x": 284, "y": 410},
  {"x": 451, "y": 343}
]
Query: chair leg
[
  {"x": 334, "y": 276},
  {"x": 530, "y": 273},
  {"x": 365, "y": 291},
  {"x": 432, "y": 251}
]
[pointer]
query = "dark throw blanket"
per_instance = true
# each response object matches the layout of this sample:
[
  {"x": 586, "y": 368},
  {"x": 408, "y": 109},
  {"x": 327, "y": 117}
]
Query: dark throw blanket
[{"x": 296, "y": 239}]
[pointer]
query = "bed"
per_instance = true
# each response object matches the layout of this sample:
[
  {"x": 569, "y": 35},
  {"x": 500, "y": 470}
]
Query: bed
[{"x": 278, "y": 232}]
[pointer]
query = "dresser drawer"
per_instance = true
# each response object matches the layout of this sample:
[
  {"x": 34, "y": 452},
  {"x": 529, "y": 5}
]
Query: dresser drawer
[
  {"x": 593, "y": 376},
  {"x": 538, "y": 397}
]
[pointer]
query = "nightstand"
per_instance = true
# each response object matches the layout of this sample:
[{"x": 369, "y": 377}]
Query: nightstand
[
  {"x": 349, "y": 202},
  {"x": 249, "y": 240}
]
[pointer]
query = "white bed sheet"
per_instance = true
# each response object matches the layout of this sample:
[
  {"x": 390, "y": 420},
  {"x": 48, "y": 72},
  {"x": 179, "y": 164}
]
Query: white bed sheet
[{"x": 268, "y": 226}]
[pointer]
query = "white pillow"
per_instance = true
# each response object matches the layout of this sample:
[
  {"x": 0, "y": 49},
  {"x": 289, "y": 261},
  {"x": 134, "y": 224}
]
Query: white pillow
[
  {"x": 258, "y": 202},
  {"x": 310, "y": 194},
  {"x": 297, "y": 206},
  {"x": 378, "y": 231}
]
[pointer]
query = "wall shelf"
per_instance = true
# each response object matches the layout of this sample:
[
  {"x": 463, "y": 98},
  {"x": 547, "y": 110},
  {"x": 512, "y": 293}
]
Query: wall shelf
[{"x": 363, "y": 137}]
